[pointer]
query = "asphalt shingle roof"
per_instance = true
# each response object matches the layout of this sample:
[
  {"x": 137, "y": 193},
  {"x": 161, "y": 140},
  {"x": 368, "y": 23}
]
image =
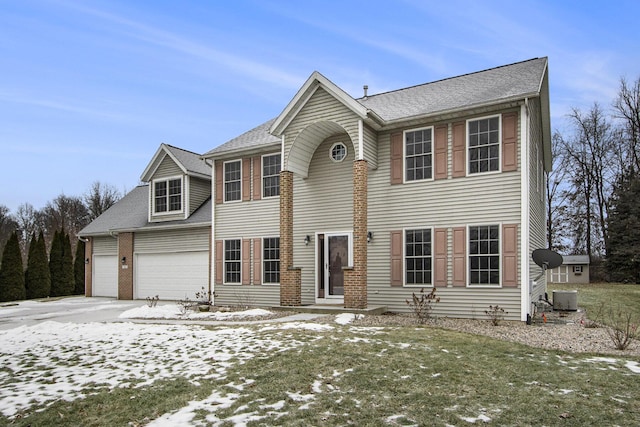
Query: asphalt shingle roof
[
  {"x": 132, "y": 212},
  {"x": 191, "y": 161},
  {"x": 514, "y": 81}
]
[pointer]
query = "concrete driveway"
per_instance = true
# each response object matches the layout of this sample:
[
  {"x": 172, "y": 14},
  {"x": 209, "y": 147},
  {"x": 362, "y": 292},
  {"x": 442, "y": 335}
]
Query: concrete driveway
[{"x": 69, "y": 309}]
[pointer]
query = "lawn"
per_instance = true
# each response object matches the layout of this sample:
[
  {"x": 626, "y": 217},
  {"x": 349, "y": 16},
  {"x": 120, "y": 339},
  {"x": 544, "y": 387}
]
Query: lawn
[{"x": 302, "y": 374}]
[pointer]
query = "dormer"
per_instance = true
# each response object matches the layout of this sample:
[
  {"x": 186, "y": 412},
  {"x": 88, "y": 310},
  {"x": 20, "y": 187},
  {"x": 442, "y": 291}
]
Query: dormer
[{"x": 179, "y": 183}]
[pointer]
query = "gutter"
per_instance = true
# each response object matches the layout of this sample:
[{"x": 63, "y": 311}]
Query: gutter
[{"x": 243, "y": 150}]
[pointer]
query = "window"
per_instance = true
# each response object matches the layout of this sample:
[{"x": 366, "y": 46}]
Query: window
[
  {"x": 338, "y": 152},
  {"x": 232, "y": 261},
  {"x": 417, "y": 256},
  {"x": 577, "y": 269},
  {"x": 484, "y": 145},
  {"x": 271, "y": 259},
  {"x": 232, "y": 181},
  {"x": 271, "y": 175},
  {"x": 484, "y": 255},
  {"x": 167, "y": 195},
  {"x": 418, "y": 154}
]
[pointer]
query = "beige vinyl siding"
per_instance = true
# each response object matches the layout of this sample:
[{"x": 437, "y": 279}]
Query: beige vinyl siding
[
  {"x": 370, "y": 147},
  {"x": 321, "y": 105},
  {"x": 105, "y": 246},
  {"x": 248, "y": 220},
  {"x": 167, "y": 168},
  {"x": 199, "y": 191},
  {"x": 182, "y": 240},
  {"x": 490, "y": 198},
  {"x": 323, "y": 203},
  {"x": 537, "y": 197}
]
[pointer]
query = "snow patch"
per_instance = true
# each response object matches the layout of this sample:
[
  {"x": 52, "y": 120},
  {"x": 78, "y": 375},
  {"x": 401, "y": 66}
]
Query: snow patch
[
  {"x": 346, "y": 318},
  {"x": 633, "y": 366},
  {"x": 174, "y": 311}
]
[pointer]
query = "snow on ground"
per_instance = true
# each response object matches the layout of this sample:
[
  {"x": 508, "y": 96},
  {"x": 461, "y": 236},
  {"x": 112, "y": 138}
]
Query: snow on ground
[
  {"x": 346, "y": 318},
  {"x": 53, "y": 360},
  {"x": 173, "y": 311}
]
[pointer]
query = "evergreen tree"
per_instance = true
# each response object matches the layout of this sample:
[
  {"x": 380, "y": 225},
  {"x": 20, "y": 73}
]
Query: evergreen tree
[
  {"x": 623, "y": 261},
  {"x": 68, "y": 280},
  {"x": 32, "y": 247},
  {"x": 38, "y": 277},
  {"x": 55, "y": 265},
  {"x": 11, "y": 272},
  {"x": 78, "y": 268}
]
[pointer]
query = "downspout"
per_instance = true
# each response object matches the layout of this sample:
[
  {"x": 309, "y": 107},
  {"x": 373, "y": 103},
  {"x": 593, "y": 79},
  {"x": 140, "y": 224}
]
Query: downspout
[
  {"x": 212, "y": 253},
  {"x": 525, "y": 283}
]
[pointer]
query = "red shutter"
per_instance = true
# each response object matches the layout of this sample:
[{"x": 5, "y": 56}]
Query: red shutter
[
  {"x": 246, "y": 261},
  {"x": 219, "y": 181},
  {"x": 396, "y": 158},
  {"x": 396, "y": 258},
  {"x": 257, "y": 178},
  {"x": 246, "y": 179},
  {"x": 441, "y": 152},
  {"x": 509, "y": 142},
  {"x": 257, "y": 261},
  {"x": 510, "y": 255},
  {"x": 219, "y": 249},
  {"x": 459, "y": 149},
  {"x": 460, "y": 256},
  {"x": 440, "y": 255}
]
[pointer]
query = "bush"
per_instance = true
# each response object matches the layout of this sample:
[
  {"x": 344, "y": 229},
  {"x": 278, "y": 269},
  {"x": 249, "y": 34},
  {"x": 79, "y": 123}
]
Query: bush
[
  {"x": 496, "y": 314},
  {"x": 622, "y": 327},
  {"x": 38, "y": 279},
  {"x": 422, "y": 304}
]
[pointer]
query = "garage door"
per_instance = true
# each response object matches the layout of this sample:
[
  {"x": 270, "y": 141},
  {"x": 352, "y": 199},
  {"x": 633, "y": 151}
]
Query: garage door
[
  {"x": 105, "y": 276},
  {"x": 172, "y": 276}
]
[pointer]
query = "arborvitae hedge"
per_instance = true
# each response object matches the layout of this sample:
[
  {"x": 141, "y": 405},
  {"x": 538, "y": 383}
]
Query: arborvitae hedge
[
  {"x": 55, "y": 265},
  {"x": 11, "y": 272},
  {"x": 78, "y": 268},
  {"x": 38, "y": 277}
]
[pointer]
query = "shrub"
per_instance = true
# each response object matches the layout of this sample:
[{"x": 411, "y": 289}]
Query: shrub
[
  {"x": 11, "y": 272},
  {"x": 496, "y": 314},
  {"x": 422, "y": 304},
  {"x": 622, "y": 327},
  {"x": 152, "y": 301}
]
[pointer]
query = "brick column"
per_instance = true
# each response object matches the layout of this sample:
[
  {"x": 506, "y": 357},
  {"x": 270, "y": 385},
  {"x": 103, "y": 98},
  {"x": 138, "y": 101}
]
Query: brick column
[
  {"x": 125, "y": 271},
  {"x": 88, "y": 268},
  {"x": 290, "y": 277},
  {"x": 355, "y": 286}
]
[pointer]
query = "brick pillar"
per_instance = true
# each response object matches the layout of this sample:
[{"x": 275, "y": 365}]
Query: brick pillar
[
  {"x": 355, "y": 286},
  {"x": 125, "y": 271},
  {"x": 290, "y": 277},
  {"x": 88, "y": 268}
]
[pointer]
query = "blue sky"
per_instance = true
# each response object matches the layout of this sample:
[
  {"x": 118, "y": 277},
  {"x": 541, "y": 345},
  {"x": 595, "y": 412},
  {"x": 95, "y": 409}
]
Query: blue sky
[{"x": 89, "y": 89}]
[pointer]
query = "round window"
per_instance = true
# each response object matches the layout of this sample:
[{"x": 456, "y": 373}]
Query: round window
[{"x": 338, "y": 152}]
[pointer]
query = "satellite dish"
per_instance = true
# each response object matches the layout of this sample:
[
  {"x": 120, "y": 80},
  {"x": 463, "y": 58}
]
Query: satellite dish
[{"x": 546, "y": 258}]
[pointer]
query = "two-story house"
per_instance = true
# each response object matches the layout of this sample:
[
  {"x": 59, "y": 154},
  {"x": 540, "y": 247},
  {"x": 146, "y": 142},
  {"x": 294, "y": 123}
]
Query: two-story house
[{"x": 361, "y": 202}]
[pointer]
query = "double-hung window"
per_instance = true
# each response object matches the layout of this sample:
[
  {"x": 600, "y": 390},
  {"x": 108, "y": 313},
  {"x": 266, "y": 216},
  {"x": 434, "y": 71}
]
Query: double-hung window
[
  {"x": 271, "y": 259},
  {"x": 417, "y": 257},
  {"x": 418, "y": 154},
  {"x": 484, "y": 145},
  {"x": 271, "y": 175},
  {"x": 232, "y": 260},
  {"x": 484, "y": 255},
  {"x": 167, "y": 195},
  {"x": 232, "y": 181}
]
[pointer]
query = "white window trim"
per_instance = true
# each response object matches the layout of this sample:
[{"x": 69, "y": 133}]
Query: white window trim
[
  {"x": 262, "y": 239},
  {"x": 404, "y": 155},
  {"x": 466, "y": 135},
  {"x": 182, "y": 195},
  {"x": 262, "y": 175},
  {"x": 224, "y": 263},
  {"x": 468, "y": 263},
  {"x": 346, "y": 152},
  {"x": 224, "y": 189},
  {"x": 404, "y": 258}
]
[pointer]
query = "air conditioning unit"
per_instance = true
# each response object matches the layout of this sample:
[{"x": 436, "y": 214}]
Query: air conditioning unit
[{"x": 565, "y": 300}]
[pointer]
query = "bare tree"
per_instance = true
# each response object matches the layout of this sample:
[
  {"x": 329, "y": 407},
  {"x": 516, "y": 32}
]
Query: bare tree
[
  {"x": 7, "y": 225},
  {"x": 99, "y": 198},
  {"x": 627, "y": 108},
  {"x": 557, "y": 183},
  {"x": 65, "y": 212},
  {"x": 594, "y": 167}
]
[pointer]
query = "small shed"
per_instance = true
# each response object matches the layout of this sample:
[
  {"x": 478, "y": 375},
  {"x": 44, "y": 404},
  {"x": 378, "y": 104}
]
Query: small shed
[{"x": 574, "y": 269}]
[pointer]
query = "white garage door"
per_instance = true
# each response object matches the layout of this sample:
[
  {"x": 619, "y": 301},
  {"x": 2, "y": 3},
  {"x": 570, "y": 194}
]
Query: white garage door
[
  {"x": 105, "y": 276},
  {"x": 171, "y": 276}
]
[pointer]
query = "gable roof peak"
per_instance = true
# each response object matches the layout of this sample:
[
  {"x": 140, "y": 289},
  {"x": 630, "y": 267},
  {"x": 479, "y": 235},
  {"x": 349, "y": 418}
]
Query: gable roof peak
[{"x": 189, "y": 162}]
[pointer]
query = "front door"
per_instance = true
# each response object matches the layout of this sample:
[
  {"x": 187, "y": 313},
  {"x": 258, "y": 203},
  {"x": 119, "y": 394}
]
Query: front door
[{"x": 336, "y": 257}]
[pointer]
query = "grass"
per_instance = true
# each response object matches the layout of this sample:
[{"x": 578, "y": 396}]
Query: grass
[
  {"x": 593, "y": 296},
  {"x": 413, "y": 375}
]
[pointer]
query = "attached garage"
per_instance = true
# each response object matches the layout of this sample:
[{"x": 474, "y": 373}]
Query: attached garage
[
  {"x": 171, "y": 276},
  {"x": 105, "y": 276}
]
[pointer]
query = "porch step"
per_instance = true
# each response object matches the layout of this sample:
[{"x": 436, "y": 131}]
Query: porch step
[{"x": 332, "y": 309}]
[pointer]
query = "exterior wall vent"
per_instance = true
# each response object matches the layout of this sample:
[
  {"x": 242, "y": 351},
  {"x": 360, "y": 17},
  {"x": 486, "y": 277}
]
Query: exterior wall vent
[{"x": 565, "y": 300}]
